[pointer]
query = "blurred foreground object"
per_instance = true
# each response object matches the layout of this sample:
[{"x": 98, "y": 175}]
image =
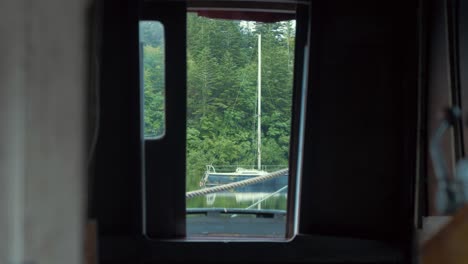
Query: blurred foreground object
[
  {"x": 450, "y": 244},
  {"x": 451, "y": 193},
  {"x": 91, "y": 242},
  {"x": 43, "y": 79}
]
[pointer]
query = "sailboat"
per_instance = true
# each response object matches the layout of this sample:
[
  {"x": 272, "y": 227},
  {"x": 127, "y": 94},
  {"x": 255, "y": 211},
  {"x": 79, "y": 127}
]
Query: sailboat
[{"x": 213, "y": 178}]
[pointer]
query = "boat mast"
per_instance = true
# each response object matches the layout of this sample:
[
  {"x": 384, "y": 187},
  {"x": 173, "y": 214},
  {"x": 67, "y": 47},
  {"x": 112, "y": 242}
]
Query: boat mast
[{"x": 259, "y": 104}]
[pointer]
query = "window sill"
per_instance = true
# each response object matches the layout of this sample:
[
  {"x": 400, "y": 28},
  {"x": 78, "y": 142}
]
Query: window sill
[{"x": 303, "y": 248}]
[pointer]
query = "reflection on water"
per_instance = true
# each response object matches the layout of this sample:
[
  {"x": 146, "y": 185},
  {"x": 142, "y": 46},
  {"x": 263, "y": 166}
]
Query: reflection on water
[
  {"x": 243, "y": 197},
  {"x": 249, "y": 188},
  {"x": 239, "y": 200}
]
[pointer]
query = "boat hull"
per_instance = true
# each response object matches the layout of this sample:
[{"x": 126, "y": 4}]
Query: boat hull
[{"x": 268, "y": 186}]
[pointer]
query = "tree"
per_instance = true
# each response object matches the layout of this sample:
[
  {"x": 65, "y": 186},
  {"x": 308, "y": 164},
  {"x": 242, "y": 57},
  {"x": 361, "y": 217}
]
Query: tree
[
  {"x": 153, "y": 90},
  {"x": 222, "y": 91},
  {"x": 152, "y": 33}
]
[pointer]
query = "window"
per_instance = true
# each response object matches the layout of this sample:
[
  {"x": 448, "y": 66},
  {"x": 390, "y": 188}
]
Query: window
[
  {"x": 231, "y": 84},
  {"x": 239, "y": 102},
  {"x": 239, "y": 107},
  {"x": 152, "y": 78},
  {"x": 356, "y": 169}
]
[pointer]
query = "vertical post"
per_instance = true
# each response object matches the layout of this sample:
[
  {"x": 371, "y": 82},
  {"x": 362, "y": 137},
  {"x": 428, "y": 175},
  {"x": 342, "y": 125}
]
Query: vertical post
[{"x": 259, "y": 104}]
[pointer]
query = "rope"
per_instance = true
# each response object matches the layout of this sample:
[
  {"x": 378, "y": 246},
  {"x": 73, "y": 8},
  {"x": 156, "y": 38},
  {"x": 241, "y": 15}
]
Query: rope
[{"x": 233, "y": 185}]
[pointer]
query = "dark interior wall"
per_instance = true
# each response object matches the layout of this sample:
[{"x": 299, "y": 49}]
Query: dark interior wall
[
  {"x": 360, "y": 134},
  {"x": 116, "y": 172},
  {"x": 360, "y": 146}
]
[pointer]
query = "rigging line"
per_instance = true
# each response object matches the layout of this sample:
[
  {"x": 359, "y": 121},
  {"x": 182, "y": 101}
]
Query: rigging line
[
  {"x": 263, "y": 199},
  {"x": 233, "y": 106},
  {"x": 267, "y": 197},
  {"x": 243, "y": 80},
  {"x": 271, "y": 98},
  {"x": 244, "y": 73},
  {"x": 243, "y": 77}
]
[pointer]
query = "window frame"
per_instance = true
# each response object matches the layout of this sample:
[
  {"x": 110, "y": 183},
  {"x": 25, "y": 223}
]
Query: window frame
[
  {"x": 160, "y": 226},
  {"x": 142, "y": 88},
  {"x": 126, "y": 240},
  {"x": 167, "y": 219}
]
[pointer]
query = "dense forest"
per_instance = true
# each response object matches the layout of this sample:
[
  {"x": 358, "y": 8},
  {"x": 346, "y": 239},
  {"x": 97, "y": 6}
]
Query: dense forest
[{"x": 222, "y": 91}]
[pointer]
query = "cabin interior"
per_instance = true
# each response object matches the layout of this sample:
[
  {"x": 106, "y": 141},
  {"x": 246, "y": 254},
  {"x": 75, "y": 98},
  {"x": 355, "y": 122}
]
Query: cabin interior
[{"x": 372, "y": 83}]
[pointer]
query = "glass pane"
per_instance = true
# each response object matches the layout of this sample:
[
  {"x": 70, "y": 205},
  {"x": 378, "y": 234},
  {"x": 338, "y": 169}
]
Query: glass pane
[
  {"x": 152, "y": 64},
  {"x": 240, "y": 76}
]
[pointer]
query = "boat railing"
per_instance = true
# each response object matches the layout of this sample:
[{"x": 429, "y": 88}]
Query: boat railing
[
  {"x": 241, "y": 169},
  {"x": 233, "y": 185},
  {"x": 236, "y": 168},
  {"x": 210, "y": 168}
]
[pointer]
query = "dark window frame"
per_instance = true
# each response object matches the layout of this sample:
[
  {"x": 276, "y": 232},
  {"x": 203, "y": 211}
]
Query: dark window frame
[
  {"x": 122, "y": 237},
  {"x": 167, "y": 219},
  {"x": 159, "y": 225}
]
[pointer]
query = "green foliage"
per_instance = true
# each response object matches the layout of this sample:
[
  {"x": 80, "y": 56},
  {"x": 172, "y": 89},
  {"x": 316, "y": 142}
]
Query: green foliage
[
  {"x": 153, "y": 92},
  {"x": 152, "y": 33},
  {"x": 222, "y": 93}
]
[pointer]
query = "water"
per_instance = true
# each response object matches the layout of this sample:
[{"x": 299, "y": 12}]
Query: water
[{"x": 278, "y": 202}]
